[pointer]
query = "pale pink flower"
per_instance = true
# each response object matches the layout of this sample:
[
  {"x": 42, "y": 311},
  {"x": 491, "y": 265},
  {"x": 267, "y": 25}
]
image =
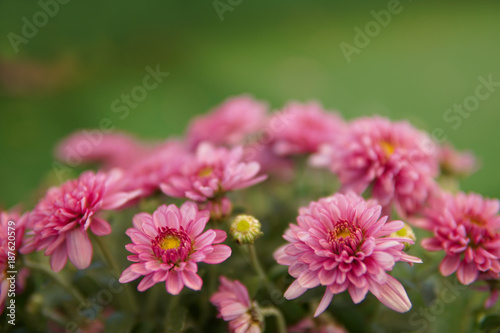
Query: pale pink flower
[
  {"x": 398, "y": 161},
  {"x": 234, "y": 305},
  {"x": 12, "y": 228},
  {"x": 110, "y": 150},
  {"x": 62, "y": 219},
  {"x": 341, "y": 242},
  {"x": 155, "y": 167},
  {"x": 168, "y": 245},
  {"x": 211, "y": 173},
  {"x": 458, "y": 163},
  {"x": 466, "y": 227},
  {"x": 229, "y": 123},
  {"x": 307, "y": 126}
]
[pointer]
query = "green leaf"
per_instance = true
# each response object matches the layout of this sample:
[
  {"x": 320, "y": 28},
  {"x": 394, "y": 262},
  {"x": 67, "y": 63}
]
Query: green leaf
[{"x": 490, "y": 323}]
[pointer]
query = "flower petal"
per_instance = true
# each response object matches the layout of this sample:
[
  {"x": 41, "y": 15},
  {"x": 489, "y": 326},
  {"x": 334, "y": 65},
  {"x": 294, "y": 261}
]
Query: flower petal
[
  {"x": 79, "y": 248},
  {"x": 325, "y": 301}
]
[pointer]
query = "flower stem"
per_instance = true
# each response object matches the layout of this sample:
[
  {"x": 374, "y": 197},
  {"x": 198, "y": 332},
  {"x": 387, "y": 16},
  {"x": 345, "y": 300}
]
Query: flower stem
[
  {"x": 57, "y": 278},
  {"x": 254, "y": 260},
  {"x": 115, "y": 271},
  {"x": 280, "y": 320}
]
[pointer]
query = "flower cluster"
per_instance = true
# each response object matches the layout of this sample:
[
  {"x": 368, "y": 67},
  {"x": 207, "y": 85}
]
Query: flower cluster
[{"x": 177, "y": 199}]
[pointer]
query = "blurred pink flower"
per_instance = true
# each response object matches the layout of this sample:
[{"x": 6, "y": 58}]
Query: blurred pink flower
[
  {"x": 229, "y": 123},
  {"x": 167, "y": 246},
  {"x": 61, "y": 220},
  {"x": 307, "y": 126},
  {"x": 110, "y": 150},
  {"x": 466, "y": 227},
  {"x": 309, "y": 325},
  {"x": 458, "y": 163},
  {"x": 341, "y": 242},
  {"x": 11, "y": 240},
  {"x": 155, "y": 167},
  {"x": 234, "y": 305},
  {"x": 397, "y": 160},
  {"x": 211, "y": 173}
]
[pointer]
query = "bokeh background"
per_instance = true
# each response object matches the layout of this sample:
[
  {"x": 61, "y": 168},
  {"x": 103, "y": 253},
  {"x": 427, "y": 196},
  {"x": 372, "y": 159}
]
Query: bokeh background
[{"x": 67, "y": 75}]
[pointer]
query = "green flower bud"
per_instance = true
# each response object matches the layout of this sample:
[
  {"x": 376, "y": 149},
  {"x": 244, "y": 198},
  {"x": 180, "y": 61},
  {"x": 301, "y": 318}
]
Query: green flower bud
[{"x": 245, "y": 229}]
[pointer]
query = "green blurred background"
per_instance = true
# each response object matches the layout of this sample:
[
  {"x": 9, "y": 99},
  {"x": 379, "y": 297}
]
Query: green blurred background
[{"x": 91, "y": 52}]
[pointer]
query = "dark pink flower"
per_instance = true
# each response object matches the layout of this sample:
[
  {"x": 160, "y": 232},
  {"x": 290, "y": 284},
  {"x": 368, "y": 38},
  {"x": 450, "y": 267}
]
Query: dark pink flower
[
  {"x": 341, "y": 242},
  {"x": 12, "y": 228},
  {"x": 211, "y": 173},
  {"x": 228, "y": 124},
  {"x": 466, "y": 227},
  {"x": 307, "y": 127},
  {"x": 110, "y": 150},
  {"x": 234, "y": 305},
  {"x": 397, "y": 160},
  {"x": 61, "y": 221},
  {"x": 168, "y": 245}
]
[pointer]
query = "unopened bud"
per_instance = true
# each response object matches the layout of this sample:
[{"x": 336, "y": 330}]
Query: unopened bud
[
  {"x": 405, "y": 232},
  {"x": 245, "y": 229}
]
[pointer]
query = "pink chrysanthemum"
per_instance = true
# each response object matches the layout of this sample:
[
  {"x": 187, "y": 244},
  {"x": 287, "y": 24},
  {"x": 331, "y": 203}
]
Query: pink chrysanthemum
[
  {"x": 397, "y": 160},
  {"x": 466, "y": 227},
  {"x": 211, "y": 173},
  {"x": 62, "y": 219},
  {"x": 12, "y": 229},
  {"x": 234, "y": 305},
  {"x": 111, "y": 150},
  {"x": 147, "y": 173},
  {"x": 306, "y": 127},
  {"x": 341, "y": 243},
  {"x": 458, "y": 163},
  {"x": 167, "y": 246},
  {"x": 229, "y": 123}
]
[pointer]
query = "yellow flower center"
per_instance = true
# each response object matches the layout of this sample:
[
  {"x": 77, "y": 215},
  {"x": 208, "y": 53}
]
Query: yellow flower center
[
  {"x": 243, "y": 225},
  {"x": 205, "y": 172},
  {"x": 478, "y": 222},
  {"x": 344, "y": 233},
  {"x": 170, "y": 242},
  {"x": 388, "y": 148}
]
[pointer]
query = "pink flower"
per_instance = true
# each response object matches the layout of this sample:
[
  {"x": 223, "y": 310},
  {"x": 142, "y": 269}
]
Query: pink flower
[
  {"x": 111, "y": 150},
  {"x": 341, "y": 242},
  {"x": 229, "y": 123},
  {"x": 458, "y": 163},
  {"x": 399, "y": 161},
  {"x": 307, "y": 126},
  {"x": 466, "y": 227},
  {"x": 62, "y": 219},
  {"x": 211, "y": 173},
  {"x": 167, "y": 246},
  {"x": 12, "y": 228},
  {"x": 154, "y": 168},
  {"x": 234, "y": 305}
]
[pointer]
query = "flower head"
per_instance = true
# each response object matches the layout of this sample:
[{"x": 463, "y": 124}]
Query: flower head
[
  {"x": 12, "y": 228},
  {"x": 245, "y": 229},
  {"x": 341, "y": 242},
  {"x": 234, "y": 305},
  {"x": 167, "y": 246},
  {"x": 62, "y": 219},
  {"x": 211, "y": 173},
  {"x": 155, "y": 167},
  {"x": 306, "y": 127},
  {"x": 229, "y": 123},
  {"x": 112, "y": 150},
  {"x": 397, "y": 160},
  {"x": 466, "y": 227},
  {"x": 457, "y": 163}
]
